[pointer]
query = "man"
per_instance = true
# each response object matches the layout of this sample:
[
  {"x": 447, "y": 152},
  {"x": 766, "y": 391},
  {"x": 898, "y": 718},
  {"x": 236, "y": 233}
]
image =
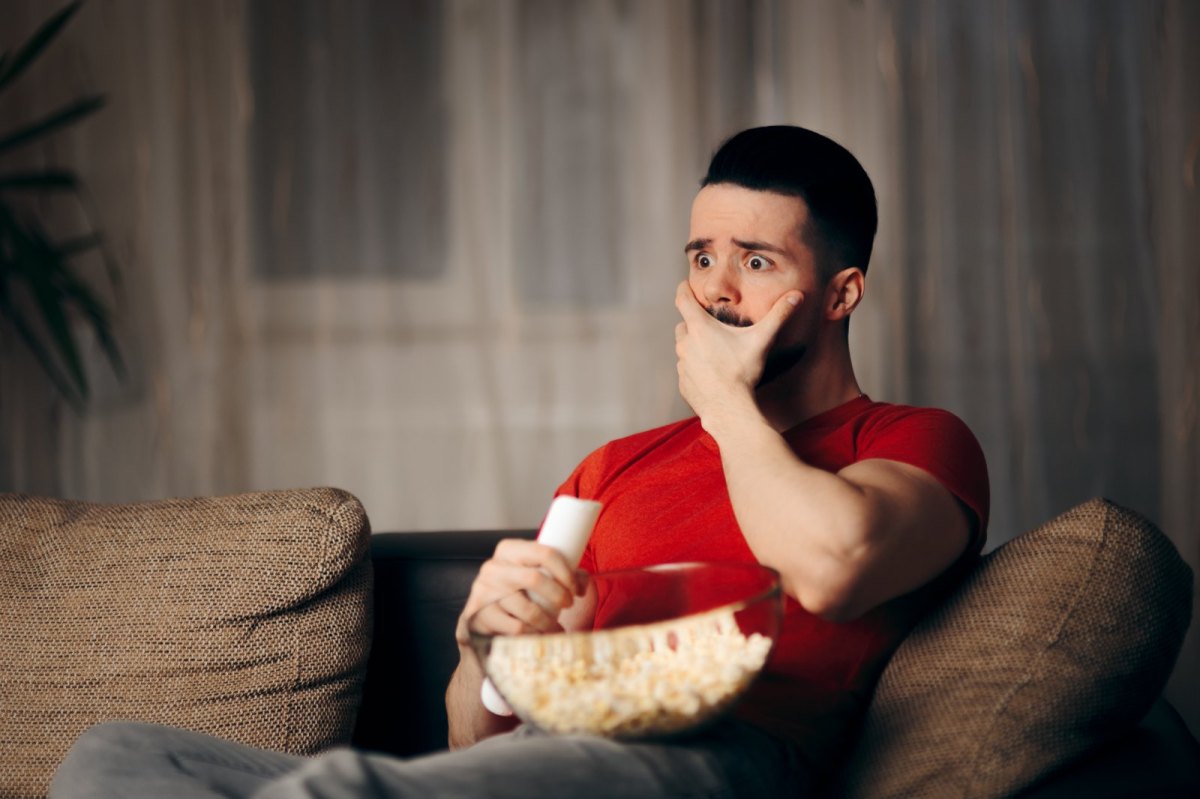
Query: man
[{"x": 868, "y": 511}]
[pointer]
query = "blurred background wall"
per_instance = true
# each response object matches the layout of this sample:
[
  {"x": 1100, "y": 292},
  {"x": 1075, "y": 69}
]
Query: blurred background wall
[{"x": 426, "y": 250}]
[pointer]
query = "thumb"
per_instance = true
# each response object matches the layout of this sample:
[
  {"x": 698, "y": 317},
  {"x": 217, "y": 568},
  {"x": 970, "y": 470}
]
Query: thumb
[{"x": 780, "y": 311}]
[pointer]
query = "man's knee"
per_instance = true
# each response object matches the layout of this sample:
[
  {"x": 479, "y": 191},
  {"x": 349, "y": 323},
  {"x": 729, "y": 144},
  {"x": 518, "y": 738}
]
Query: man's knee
[
  {"x": 340, "y": 772},
  {"x": 111, "y": 738},
  {"x": 101, "y": 744}
]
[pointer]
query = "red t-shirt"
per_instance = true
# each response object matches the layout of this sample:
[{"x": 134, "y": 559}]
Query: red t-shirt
[{"x": 665, "y": 501}]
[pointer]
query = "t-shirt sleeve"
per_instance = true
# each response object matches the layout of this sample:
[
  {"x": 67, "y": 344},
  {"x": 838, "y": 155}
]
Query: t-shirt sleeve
[
  {"x": 579, "y": 485},
  {"x": 941, "y": 444}
]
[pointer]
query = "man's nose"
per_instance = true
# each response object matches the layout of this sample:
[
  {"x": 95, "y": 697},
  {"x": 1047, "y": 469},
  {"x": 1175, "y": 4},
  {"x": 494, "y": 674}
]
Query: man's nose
[{"x": 721, "y": 285}]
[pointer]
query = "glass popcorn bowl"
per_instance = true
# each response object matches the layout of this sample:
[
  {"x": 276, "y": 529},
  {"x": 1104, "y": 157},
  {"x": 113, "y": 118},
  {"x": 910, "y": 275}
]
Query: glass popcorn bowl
[{"x": 675, "y": 646}]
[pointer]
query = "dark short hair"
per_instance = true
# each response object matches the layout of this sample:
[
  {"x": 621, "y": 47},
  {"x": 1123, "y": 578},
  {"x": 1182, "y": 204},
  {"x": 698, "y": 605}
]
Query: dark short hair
[{"x": 842, "y": 214}]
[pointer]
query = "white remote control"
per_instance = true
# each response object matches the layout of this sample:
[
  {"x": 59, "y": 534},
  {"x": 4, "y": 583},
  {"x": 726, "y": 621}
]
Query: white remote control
[{"x": 567, "y": 528}]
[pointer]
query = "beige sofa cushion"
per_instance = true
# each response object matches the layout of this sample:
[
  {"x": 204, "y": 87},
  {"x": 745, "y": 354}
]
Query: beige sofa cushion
[
  {"x": 1061, "y": 639},
  {"x": 244, "y": 616}
]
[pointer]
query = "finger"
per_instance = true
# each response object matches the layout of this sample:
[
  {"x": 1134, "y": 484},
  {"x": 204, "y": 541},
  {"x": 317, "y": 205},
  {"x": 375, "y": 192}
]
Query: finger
[
  {"x": 521, "y": 552},
  {"x": 688, "y": 306},
  {"x": 582, "y": 580},
  {"x": 553, "y": 595},
  {"x": 518, "y": 550},
  {"x": 491, "y": 619},
  {"x": 536, "y": 618},
  {"x": 498, "y": 579},
  {"x": 560, "y": 571},
  {"x": 780, "y": 311},
  {"x": 506, "y": 573},
  {"x": 680, "y": 331},
  {"x": 515, "y": 614}
]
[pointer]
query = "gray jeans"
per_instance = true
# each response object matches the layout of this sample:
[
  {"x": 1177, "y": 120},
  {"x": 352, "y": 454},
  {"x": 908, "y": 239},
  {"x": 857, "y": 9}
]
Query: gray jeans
[{"x": 135, "y": 761}]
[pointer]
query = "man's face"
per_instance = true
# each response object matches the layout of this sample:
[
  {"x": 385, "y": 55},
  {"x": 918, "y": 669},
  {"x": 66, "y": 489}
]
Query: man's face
[{"x": 745, "y": 252}]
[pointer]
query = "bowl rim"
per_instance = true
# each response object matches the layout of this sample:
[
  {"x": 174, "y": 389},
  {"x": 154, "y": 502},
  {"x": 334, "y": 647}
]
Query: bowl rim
[{"x": 774, "y": 589}]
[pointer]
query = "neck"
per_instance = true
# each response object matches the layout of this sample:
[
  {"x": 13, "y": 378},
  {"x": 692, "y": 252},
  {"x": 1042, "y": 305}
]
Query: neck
[{"x": 823, "y": 379}]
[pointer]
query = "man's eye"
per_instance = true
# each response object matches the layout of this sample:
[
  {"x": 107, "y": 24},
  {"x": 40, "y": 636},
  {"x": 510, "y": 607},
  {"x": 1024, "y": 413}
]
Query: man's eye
[
  {"x": 758, "y": 263},
  {"x": 703, "y": 261}
]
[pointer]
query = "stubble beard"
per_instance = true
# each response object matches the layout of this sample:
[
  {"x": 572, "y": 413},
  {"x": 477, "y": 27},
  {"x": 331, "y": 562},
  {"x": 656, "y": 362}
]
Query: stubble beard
[
  {"x": 780, "y": 361},
  {"x": 725, "y": 316}
]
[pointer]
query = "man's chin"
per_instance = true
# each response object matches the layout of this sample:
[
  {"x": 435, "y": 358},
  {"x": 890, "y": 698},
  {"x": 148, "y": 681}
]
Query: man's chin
[{"x": 781, "y": 361}]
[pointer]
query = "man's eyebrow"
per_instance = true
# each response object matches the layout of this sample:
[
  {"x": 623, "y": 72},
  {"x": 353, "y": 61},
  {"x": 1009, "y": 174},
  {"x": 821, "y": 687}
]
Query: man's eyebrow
[
  {"x": 700, "y": 244},
  {"x": 759, "y": 245}
]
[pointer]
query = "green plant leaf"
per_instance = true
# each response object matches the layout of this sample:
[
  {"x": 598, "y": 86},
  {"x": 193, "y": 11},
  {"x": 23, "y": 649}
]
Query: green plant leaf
[
  {"x": 44, "y": 359},
  {"x": 30, "y": 50},
  {"x": 61, "y": 118},
  {"x": 53, "y": 286},
  {"x": 40, "y": 294},
  {"x": 93, "y": 310},
  {"x": 55, "y": 318},
  {"x": 52, "y": 179},
  {"x": 45, "y": 274},
  {"x": 98, "y": 317}
]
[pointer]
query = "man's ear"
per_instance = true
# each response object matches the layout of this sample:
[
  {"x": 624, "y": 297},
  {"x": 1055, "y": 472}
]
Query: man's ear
[{"x": 844, "y": 292}]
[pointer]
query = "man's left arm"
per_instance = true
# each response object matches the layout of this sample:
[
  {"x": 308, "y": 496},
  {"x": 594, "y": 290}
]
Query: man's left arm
[{"x": 845, "y": 542}]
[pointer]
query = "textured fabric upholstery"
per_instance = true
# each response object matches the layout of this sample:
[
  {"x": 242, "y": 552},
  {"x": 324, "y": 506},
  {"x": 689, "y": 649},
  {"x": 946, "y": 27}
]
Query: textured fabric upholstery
[
  {"x": 1062, "y": 639},
  {"x": 244, "y": 616}
]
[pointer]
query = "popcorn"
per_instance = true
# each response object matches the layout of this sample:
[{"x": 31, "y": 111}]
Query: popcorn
[{"x": 650, "y": 679}]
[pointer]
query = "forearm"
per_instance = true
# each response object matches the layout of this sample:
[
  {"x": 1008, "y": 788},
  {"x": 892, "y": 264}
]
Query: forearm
[
  {"x": 469, "y": 721},
  {"x": 844, "y": 543},
  {"x": 810, "y": 524},
  {"x": 499, "y": 604}
]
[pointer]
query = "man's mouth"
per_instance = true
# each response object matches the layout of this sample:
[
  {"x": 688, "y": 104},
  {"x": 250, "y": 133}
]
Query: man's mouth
[{"x": 725, "y": 316}]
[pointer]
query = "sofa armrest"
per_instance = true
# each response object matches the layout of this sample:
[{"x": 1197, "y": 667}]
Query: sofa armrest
[
  {"x": 421, "y": 585},
  {"x": 243, "y": 616}
]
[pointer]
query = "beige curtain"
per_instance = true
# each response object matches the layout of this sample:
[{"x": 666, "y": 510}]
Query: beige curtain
[{"x": 425, "y": 251}]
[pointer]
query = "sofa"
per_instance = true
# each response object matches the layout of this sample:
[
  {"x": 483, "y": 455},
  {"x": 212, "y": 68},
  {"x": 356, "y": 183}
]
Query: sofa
[
  {"x": 277, "y": 619},
  {"x": 422, "y": 581}
]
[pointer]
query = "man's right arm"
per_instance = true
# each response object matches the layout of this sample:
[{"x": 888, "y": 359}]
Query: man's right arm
[
  {"x": 470, "y": 722},
  {"x": 499, "y": 604}
]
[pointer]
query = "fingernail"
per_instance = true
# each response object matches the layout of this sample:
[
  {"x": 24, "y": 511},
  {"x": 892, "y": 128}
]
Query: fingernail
[{"x": 794, "y": 299}]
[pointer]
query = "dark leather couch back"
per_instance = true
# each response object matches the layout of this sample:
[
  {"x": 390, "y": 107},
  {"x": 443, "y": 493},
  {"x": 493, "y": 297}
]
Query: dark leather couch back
[{"x": 421, "y": 585}]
